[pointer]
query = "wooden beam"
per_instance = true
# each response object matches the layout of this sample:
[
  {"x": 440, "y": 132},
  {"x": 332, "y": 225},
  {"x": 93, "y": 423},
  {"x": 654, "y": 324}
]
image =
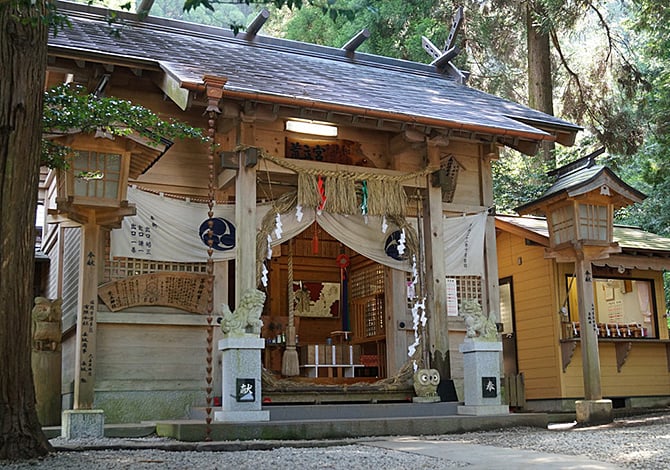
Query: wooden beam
[
  {"x": 257, "y": 23},
  {"x": 357, "y": 40},
  {"x": 143, "y": 8},
  {"x": 226, "y": 178},
  {"x": 173, "y": 90},
  {"x": 455, "y": 28},
  {"x": 443, "y": 60}
]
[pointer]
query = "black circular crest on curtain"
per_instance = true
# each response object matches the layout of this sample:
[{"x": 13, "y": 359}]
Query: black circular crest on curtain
[
  {"x": 223, "y": 233},
  {"x": 391, "y": 246}
]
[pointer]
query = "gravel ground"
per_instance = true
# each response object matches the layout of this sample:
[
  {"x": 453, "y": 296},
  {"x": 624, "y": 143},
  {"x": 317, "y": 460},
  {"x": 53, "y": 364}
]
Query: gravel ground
[{"x": 640, "y": 442}]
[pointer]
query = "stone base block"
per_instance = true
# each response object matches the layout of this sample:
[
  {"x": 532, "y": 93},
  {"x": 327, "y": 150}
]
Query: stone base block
[
  {"x": 434, "y": 399},
  {"x": 241, "y": 416},
  {"x": 483, "y": 410},
  {"x": 594, "y": 411},
  {"x": 80, "y": 424}
]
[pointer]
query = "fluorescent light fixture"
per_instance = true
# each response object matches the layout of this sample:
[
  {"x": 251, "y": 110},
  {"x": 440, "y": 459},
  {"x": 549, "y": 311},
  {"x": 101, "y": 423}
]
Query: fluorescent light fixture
[{"x": 311, "y": 127}]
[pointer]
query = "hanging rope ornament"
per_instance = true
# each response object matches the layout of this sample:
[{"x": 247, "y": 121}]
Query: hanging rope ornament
[
  {"x": 364, "y": 199},
  {"x": 278, "y": 226},
  {"x": 214, "y": 93},
  {"x": 290, "y": 365},
  {"x": 264, "y": 275},
  {"x": 322, "y": 195},
  {"x": 315, "y": 240}
]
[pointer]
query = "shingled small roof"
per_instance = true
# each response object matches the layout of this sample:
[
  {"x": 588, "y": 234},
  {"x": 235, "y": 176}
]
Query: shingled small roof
[
  {"x": 580, "y": 177},
  {"x": 633, "y": 240},
  {"x": 303, "y": 75}
]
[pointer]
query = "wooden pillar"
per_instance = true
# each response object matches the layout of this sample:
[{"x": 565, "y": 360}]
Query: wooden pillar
[
  {"x": 491, "y": 289},
  {"x": 245, "y": 217},
  {"x": 588, "y": 329},
  {"x": 435, "y": 281},
  {"x": 87, "y": 302},
  {"x": 220, "y": 295},
  {"x": 396, "y": 310}
]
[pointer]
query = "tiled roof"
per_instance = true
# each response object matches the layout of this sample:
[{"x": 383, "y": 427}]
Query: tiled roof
[
  {"x": 306, "y": 73},
  {"x": 629, "y": 238}
]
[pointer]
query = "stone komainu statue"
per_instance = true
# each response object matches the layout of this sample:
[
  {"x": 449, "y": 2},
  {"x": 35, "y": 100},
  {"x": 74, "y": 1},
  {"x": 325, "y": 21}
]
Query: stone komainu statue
[
  {"x": 478, "y": 325},
  {"x": 46, "y": 324},
  {"x": 246, "y": 318}
]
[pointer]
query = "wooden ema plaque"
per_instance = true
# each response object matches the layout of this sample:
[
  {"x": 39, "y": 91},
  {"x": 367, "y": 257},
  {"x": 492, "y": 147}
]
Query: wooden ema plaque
[{"x": 187, "y": 291}]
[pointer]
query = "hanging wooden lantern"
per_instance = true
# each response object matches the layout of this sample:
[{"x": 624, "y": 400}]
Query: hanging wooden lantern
[
  {"x": 96, "y": 181},
  {"x": 579, "y": 209}
]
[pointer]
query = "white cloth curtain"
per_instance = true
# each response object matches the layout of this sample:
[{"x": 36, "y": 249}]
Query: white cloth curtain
[
  {"x": 644, "y": 298},
  {"x": 167, "y": 229},
  {"x": 368, "y": 239},
  {"x": 464, "y": 244}
]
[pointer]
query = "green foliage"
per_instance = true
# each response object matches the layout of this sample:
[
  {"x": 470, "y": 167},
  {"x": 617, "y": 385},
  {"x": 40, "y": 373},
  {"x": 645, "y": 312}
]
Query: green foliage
[
  {"x": 223, "y": 16},
  {"x": 70, "y": 109},
  {"x": 329, "y": 8},
  {"x": 518, "y": 179},
  {"x": 395, "y": 26}
]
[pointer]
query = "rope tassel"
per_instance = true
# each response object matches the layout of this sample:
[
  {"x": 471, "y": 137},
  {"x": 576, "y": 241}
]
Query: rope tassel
[{"x": 290, "y": 364}]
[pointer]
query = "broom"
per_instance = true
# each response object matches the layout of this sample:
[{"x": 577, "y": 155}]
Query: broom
[{"x": 290, "y": 364}]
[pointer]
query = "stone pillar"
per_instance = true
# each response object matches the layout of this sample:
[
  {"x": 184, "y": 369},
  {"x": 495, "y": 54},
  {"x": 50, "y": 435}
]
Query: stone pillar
[
  {"x": 481, "y": 384},
  {"x": 241, "y": 376}
]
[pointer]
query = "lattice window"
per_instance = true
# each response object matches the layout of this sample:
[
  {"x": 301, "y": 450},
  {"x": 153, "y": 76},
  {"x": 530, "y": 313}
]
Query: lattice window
[
  {"x": 562, "y": 224},
  {"x": 374, "y": 316},
  {"x": 366, "y": 281},
  {"x": 71, "y": 256},
  {"x": 367, "y": 295},
  {"x": 107, "y": 165},
  {"x": 120, "y": 268},
  {"x": 469, "y": 287},
  {"x": 593, "y": 222}
]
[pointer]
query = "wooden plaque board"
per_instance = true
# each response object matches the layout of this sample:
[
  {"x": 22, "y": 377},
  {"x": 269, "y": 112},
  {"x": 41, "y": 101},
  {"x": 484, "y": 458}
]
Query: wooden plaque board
[{"x": 187, "y": 291}]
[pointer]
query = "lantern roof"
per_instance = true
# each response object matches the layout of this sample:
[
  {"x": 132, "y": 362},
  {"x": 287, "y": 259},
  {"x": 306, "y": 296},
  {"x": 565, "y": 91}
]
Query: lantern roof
[{"x": 581, "y": 177}]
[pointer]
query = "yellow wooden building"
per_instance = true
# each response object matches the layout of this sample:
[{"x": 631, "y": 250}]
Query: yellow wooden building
[
  {"x": 364, "y": 238},
  {"x": 542, "y": 331}
]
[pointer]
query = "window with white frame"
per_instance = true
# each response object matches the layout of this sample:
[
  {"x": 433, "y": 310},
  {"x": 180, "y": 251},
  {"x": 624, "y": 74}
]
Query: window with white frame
[{"x": 624, "y": 308}]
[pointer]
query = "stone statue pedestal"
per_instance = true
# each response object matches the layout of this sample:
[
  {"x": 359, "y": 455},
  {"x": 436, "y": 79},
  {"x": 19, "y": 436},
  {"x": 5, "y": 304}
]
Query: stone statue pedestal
[
  {"x": 481, "y": 384},
  {"x": 241, "y": 377},
  {"x": 594, "y": 412},
  {"x": 83, "y": 424}
]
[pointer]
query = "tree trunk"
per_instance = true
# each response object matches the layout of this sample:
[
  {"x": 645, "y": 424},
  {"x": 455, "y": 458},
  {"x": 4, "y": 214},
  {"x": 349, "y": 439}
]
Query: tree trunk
[
  {"x": 23, "y": 56},
  {"x": 540, "y": 87}
]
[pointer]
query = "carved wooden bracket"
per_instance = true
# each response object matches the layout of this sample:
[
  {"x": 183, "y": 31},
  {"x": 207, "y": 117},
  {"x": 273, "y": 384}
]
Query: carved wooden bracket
[
  {"x": 567, "y": 351},
  {"x": 622, "y": 351}
]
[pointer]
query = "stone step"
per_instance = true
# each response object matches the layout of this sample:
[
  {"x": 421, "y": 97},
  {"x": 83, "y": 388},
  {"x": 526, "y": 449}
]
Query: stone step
[{"x": 351, "y": 411}]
